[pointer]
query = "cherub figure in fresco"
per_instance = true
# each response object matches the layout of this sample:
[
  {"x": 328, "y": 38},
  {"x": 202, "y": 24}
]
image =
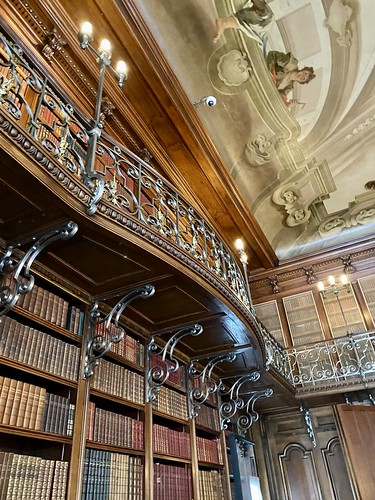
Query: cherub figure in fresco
[
  {"x": 285, "y": 72},
  {"x": 255, "y": 19}
]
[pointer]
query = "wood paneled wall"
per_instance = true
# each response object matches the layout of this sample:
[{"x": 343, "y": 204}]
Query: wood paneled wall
[
  {"x": 298, "y": 471},
  {"x": 356, "y": 425}
]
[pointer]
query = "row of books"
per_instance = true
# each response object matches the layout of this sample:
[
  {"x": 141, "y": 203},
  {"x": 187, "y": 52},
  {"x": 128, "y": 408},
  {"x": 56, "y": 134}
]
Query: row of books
[
  {"x": 211, "y": 485},
  {"x": 111, "y": 428},
  {"x": 128, "y": 348},
  {"x": 172, "y": 483},
  {"x": 38, "y": 349},
  {"x": 208, "y": 417},
  {"x": 177, "y": 377},
  {"x": 170, "y": 442},
  {"x": 171, "y": 402},
  {"x": 209, "y": 450},
  {"x": 31, "y": 407},
  {"x": 23, "y": 476},
  {"x": 112, "y": 475},
  {"x": 118, "y": 381},
  {"x": 52, "y": 308}
]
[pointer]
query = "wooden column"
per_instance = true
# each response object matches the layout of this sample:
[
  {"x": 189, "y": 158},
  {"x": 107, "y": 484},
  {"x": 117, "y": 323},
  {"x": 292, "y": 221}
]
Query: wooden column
[
  {"x": 194, "y": 460},
  {"x": 149, "y": 462},
  {"x": 77, "y": 459},
  {"x": 223, "y": 443}
]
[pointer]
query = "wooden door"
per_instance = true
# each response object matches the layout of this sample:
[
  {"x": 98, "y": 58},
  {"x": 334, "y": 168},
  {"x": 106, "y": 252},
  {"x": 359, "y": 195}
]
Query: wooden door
[{"x": 356, "y": 426}]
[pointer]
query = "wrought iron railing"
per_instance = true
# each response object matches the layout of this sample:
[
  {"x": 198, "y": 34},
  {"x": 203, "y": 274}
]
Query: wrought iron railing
[
  {"x": 134, "y": 188},
  {"x": 131, "y": 186},
  {"x": 346, "y": 360}
]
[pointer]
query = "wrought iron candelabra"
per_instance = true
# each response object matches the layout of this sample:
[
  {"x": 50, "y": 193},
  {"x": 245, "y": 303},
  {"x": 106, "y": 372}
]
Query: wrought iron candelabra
[{"x": 93, "y": 179}]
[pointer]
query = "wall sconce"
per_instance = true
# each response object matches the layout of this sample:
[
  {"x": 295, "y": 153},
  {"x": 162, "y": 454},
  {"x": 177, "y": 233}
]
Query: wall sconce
[
  {"x": 92, "y": 179},
  {"x": 243, "y": 259},
  {"x": 333, "y": 287}
]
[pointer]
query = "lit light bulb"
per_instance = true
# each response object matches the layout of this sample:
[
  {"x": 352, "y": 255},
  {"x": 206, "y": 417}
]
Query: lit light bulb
[
  {"x": 344, "y": 279},
  {"x": 86, "y": 28},
  {"x": 331, "y": 280},
  {"x": 239, "y": 244},
  {"x": 121, "y": 68},
  {"x": 320, "y": 286},
  {"x": 105, "y": 47}
]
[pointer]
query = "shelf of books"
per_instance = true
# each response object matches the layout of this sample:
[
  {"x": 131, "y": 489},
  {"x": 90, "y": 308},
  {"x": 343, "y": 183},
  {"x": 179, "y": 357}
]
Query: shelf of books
[
  {"x": 40, "y": 352},
  {"x": 367, "y": 286},
  {"x": 343, "y": 313},
  {"x": 269, "y": 315},
  {"x": 303, "y": 319},
  {"x": 114, "y": 457}
]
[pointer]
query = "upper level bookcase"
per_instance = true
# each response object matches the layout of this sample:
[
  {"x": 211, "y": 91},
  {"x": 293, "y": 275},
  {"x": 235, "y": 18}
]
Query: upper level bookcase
[
  {"x": 303, "y": 319},
  {"x": 268, "y": 313},
  {"x": 367, "y": 286},
  {"x": 343, "y": 313}
]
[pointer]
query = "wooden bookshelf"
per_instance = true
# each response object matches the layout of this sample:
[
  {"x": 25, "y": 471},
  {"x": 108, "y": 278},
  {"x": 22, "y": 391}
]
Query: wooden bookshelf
[
  {"x": 269, "y": 315},
  {"x": 303, "y": 319}
]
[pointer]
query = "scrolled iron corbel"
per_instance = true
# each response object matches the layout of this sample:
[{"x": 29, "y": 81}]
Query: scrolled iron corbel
[
  {"x": 18, "y": 279},
  {"x": 107, "y": 330}
]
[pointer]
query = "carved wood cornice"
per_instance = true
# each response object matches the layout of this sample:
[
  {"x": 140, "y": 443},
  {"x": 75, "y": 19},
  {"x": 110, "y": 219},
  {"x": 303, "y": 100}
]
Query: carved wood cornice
[{"x": 292, "y": 277}]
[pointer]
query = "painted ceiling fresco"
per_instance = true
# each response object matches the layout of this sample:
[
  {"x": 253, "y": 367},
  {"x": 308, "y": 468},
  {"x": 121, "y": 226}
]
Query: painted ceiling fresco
[{"x": 294, "y": 120}]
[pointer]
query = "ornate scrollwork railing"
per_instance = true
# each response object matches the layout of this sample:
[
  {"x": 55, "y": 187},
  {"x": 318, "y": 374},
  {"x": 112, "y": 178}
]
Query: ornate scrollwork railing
[
  {"x": 131, "y": 186},
  {"x": 344, "y": 360}
]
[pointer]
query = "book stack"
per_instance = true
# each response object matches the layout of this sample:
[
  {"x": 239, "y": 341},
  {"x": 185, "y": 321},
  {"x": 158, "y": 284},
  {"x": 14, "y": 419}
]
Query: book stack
[
  {"x": 128, "y": 348},
  {"x": 112, "y": 475},
  {"x": 38, "y": 349},
  {"x": 52, "y": 308},
  {"x": 118, "y": 381},
  {"x": 177, "y": 377},
  {"x": 31, "y": 407},
  {"x": 169, "y": 442},
  {"x": 111, "y": 428},
  {"x": 172, "y": 482},
  {"x": 171, "y": 402},
  {"x": 208, "y": 417},
  {"x": 211, "y": 485},
  {"x": 23, "y": 476},
  {"x": 209, "y": 450}
]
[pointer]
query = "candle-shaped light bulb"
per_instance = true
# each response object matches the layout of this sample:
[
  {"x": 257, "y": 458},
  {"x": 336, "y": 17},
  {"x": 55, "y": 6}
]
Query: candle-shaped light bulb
[
  {"x": 344, "y": 279},
  {"x": 121, "y": 68},
  {"x": 105, "y": 47},
  {"x": 86, "y": 28},
  {"x": 331, "y": 280},
  {"x": 239, "y": 244},
  {"x": 320, "y": 286}
]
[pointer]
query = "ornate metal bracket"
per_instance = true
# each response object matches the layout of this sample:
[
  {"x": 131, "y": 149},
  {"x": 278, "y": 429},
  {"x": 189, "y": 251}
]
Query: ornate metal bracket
[
  {"x": 310, "y": 276},
  {"x": 103, "y": 332},
  {"x": 18, "y": 280},
  {"x": 158, "y": 374},
  {"x": 348, "y": 265},
  {"x": 207, "y": 385},
  {"x": 274, "y": 282},
  {"x": 309, "y": 426},
  {"x": 240, "y": 401}
]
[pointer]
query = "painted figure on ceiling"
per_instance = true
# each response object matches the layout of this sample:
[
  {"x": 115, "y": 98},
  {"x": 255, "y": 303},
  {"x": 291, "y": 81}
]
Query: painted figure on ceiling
[
  {"x": 285, "y": 72},
  {"x": 255, "y": 19}
]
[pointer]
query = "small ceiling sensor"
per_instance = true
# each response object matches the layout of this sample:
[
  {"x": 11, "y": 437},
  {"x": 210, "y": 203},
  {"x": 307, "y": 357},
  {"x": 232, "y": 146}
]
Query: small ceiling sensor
[{"x": 208, "y": 100}]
